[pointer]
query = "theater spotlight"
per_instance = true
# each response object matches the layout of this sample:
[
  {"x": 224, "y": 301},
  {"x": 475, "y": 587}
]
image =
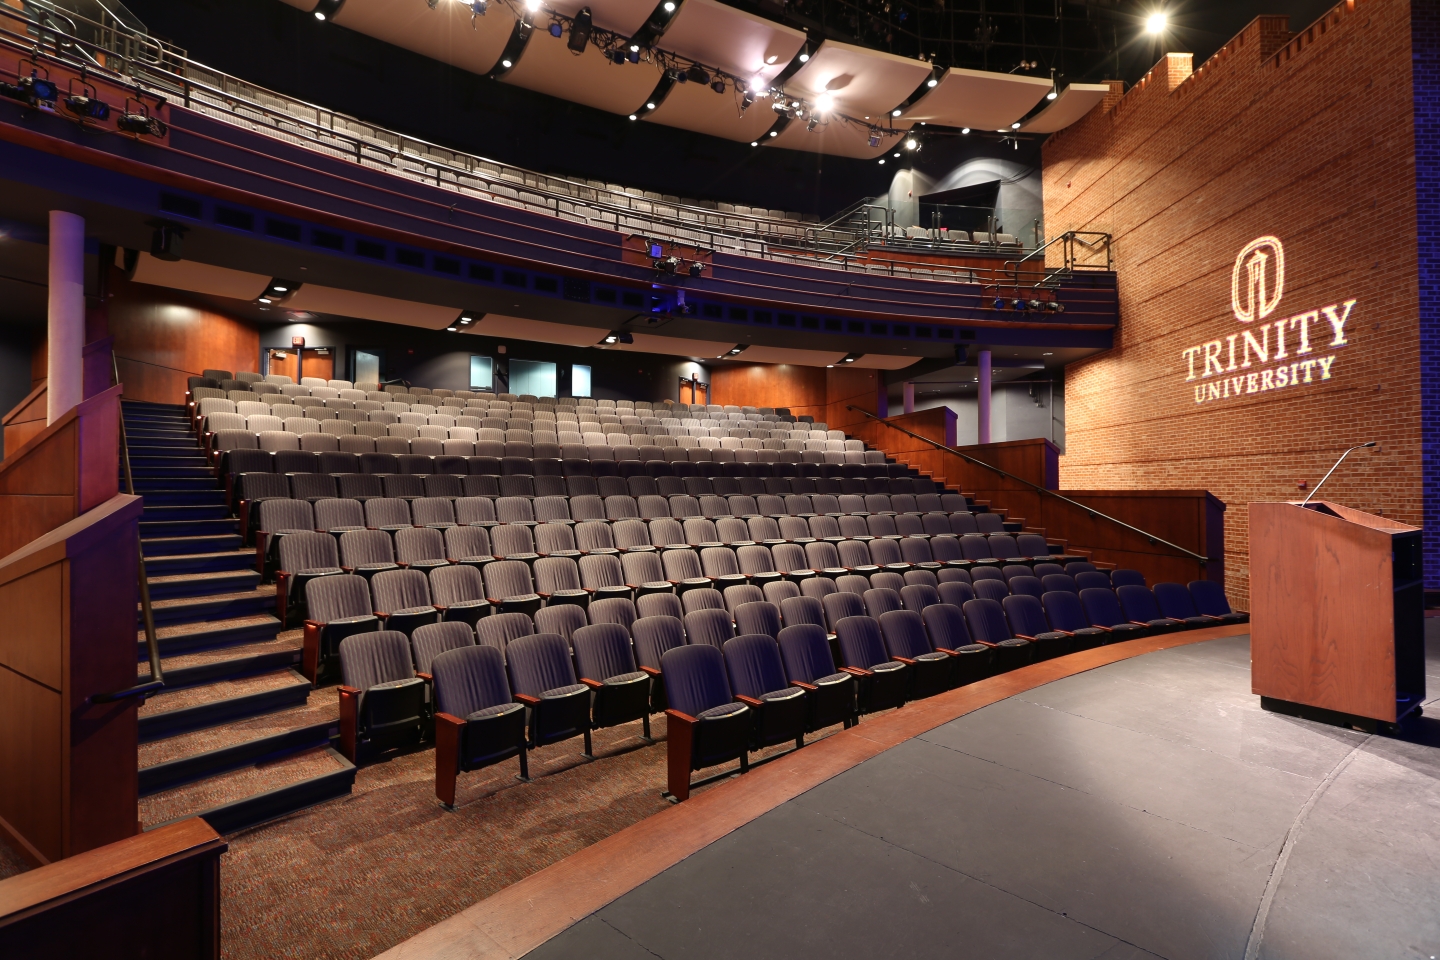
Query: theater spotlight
[
  {"x": 718, "y": 84},
  {"x": 696, "y": 268},
  {"x": 326, "y": 9},
  {"x": 697, "y": 74},
  {"x": 556, "y": 30},
  {"x": 810, "y": 127},
  {"x": 911, "y": 144},
  {"x": 634, "y": 55},
  {"x": 477, "y": 8},
  {"x": 668, "y": 265},
  {"x": 999, "y": 303},
  {"x": 1036, "y": 305},
  {"x": 1018, "y": 305},
  {"x": 580, "y": 29},
  {"x": 1155, "y": 23},
  {"x": 167, "y": 241},
  {"x": 874, "y": 138},
  {"x": 452, "y": 329}
]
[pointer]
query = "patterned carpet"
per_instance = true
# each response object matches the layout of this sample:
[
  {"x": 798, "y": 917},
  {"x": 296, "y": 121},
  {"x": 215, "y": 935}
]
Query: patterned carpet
[{"x": 353, "y": 877}]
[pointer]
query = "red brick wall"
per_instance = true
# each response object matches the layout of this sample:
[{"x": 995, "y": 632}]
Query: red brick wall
[{"x": 1309, "y": 139}]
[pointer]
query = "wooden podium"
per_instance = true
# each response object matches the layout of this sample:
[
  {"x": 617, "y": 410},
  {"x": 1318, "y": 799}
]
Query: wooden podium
[{"x": 1337, "y": 614}]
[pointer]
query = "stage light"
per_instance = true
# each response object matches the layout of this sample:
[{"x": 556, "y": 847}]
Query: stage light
[
  {"x": 882, "y": 161},
  {"x": 804, "y": 58},
  {"x": 932, "y": 82},
  {"x": 507, "y": 64},
  {"x": 88, "y": 107},
  {"x": 874, "y": 139},
  {"x": 556, "y": 29},
  {"x": 754, "y": 143},
  {"x": 824, "y": 103},
  {"x": 999, "y": 303},
  {"x": 1018, "y": 305},
  {"x": 452, "y": 329},
  {"x": 718, "y": 84},
  {"x": 669, "y": 6},
  {"x": 580, "y": 29},
  {"x": 1036, "y": 305},
  {"x": 266, "y": 300},
  {"x": 667, "y": 265},
  {"x": 964, "y": 129},
  {"x": 1052, "y": 94},
  {"x": 533, "y": 5},
  {"x": 895, "y": 112},
  {"x": 696, "y": 268},
  {"x": 911, "y": 144},
  {"x": 774, "y": 133},
  {"x": 1156, "y": 23},
  {"x": 747, "y": 100},
  {"x": 1015, "y": 125},
  {"x": 697, "y": 74},
  {"x": 326, "y": 9},
  {"x": 142, "y": 125},
  {"x": 771, "y": 59},
  {"x": 897, "y": 155},
  {"x": 634, "y": 48},
  {"x": 634, "y": 55},
  {"x": 736, "y": 351},
  {"x": 633, "y": 117},
  {"x": 167, "y": 241},
  {"x": 649, "y": 106},
  {"x": 610, "y": 339},
  {"x": 810, "y": 127}
]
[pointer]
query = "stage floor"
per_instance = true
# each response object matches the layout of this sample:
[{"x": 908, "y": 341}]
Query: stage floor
[{"x": 1144, "y": 808}]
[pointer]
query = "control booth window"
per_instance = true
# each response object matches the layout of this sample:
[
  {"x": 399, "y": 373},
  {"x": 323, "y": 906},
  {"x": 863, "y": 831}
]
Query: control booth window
[
  {"x": 533, "y": 377},
  {"x": 579, "y": 380},
  {"x": 482, "y": 373}
]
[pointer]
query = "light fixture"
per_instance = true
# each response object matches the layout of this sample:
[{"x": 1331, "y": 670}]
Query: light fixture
[
  {"x": 932, "y": 82},
  {"x": 1156, "y": 23},
  {"x": 669, "y": 6},
  {"x": 697, "y": 74},
  {"x": 882, "y": 161},
  {"x": 895, "y": 112},
  {"x": 804, "y": 58},
  {"x": 911, "y": 144},
  {"x": 452, "y": 329},
  {"x": 556, "y": 29},
  {"x": 824, "y": 103},
  {"x": 1048, "y": 354},
  {"x": 634, "y": 48},
  {"x": 774, "y": 134},
  {"x": 633, "y": 117},
  {"x": 649, "y": 106},
  {"x": 610, "y": 339},
  {"x": 580, "y": 29},
  {"x": 874, "y": 138},
  {"x": 278, "y": 289},
  {"x": 771, "y": 59},
  {"x": 326, "y": 9},
  {"x": 754, "y": 143},
  {"x": 1015, "y": 125},
  {"x": 266, "y": 300},
  {"x": 696, "y": 268},
  {"x": 999, "y": 303},
  {"x": 1052, "y": 94},
  {"x": 718, "y": 84},
  {"x": 507, "y": 64},
  {"x": 897, "y": 155},
  {"x": 532, "y": 5}
]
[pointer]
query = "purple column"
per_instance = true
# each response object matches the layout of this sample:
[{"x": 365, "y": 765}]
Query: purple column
[
  {"x": 909, "y": 396},
  {"x": 984, "y": 396},
  {"x": 64, "y": 384}
]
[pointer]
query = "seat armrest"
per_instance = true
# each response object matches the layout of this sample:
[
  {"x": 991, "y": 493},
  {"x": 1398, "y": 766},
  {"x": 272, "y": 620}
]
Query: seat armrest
[
  {"x": 526, "y": 699},
  {"x": 651, "y": 670},
  {"x": 679, "y": 749},
  {"x": 803, "y": 685},
  {"x": 349, "y": 721},
  {"x": 592, "y": 684},
  {"x": 1141, "y": 623},
  {"x": 425, "y": 676},
  {"x": 748, "y": 701},
  {"x": 448, "y": 732},
  {"x": 987, "y": 643},
  {"x": 437, "y": 606},
  {"x": 382, "y": 616},
  {"x": 909, "y": 661},
  {"x": 310, "y": 650},
  {"x": 1024, "y": 636},
  {"x": 856, "y": 671}
]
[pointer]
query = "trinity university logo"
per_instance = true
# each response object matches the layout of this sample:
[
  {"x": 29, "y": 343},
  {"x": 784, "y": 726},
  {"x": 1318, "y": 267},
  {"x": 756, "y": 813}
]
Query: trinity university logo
[
  {"x": 1258, "y": 280},
  {"x": 1272, "y": 355}
]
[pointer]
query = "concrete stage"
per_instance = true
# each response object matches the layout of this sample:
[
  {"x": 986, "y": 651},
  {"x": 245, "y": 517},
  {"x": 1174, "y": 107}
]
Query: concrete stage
[{"x": 1143, "y": 808}]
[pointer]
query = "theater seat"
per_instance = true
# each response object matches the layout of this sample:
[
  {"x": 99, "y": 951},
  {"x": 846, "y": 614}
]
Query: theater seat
[
  {"x": 542, "y": 677},
  {"x": 381, "y": 699},
  {"x": 987, "y": 623},
  {"x": 706, "y": 726},
  {"x": 1209, "y": 598},
  {"x": 805, "y": 654},
  {"x": 620, "y": 690},
  {"x": 337, "y": 607},
  {"x": 757, "y": 679},
  {"x": 477, "y": 722},
  {"x": 906, "y": 641},
  {"x": 1027, "y": 621},
  {"x": 882, "y": 683},
  {"x": 1140, "y": 606},
  {"x": 653, "y": 637},
  {"x": 1103, "y": 610}
]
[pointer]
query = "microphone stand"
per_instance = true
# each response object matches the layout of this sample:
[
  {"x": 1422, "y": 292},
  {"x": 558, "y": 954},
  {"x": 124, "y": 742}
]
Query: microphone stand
[{"x": 1334, "y": 468}]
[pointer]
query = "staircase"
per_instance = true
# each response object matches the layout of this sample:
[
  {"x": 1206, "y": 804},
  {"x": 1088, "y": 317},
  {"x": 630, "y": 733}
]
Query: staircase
[{"x": 237, "y": 736}]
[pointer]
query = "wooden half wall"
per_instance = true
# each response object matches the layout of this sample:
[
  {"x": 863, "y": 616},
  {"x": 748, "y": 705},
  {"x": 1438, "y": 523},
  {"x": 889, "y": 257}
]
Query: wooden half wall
[
  {"x": 1193, "y": 519},
  {"x": 819, "y": 392},
  {"x": 154, "y": 895},
  {"x": 68, "y": 779},
  {"x": 162, "y": 339}
]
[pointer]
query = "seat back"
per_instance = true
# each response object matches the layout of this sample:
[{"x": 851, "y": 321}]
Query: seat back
[
  {"x": 904, "y": 634},
  {"x": 741, "y": 593},
  {"x": 334, "y": 598},
  {"x": 881, "y": 600},
  {"x": 603, "y": 651},
  {"x": 308, "y": 551},
  {"x": 1087, "y": 579},
  {"x": 802, "y": 610},
  {"x": 695, "y": 678},
  {"x": 861, "y": 644},
  {"x": 468, "y": 679},
  {"x": 654, "y": 636},
  {"x": 1175, "y": 601},
  {"x": 758, "y": 617},
  {"x": 918, "y": 596},
  {"x": 752, "y": 662},
  {"x": 613, "y": 610},
  {"x": 805, "y": 652},
  {"x": 432, "y": 639},
  {"x": 708, "y": 626},
  {"x": 1026, "y": 615},
  {"x": 539, "y": 663},
  {"x": 419, "y": 543},
  {"x": 561, "y": 618},
  {"x": 945, "y": 625},
  {"x": 986, "y": 620},
  {"x": 1064, "y": 610},
  {"x": 1102, "y": 607},
  {"x": 400, "y": 590},
  {"x": 1059, "y": 581},
  {"x": 1138, "y": 602},
  {"x": 507, "y": 578},
  {"x": 462, "y": 543},
  {"x": 996, "y": 590},
  {"x": 659, "y": 605},
  {"x": 840, "y": 605},
  {"x": 1209, "y": 598},
  {"x": 553, "y": 574}
]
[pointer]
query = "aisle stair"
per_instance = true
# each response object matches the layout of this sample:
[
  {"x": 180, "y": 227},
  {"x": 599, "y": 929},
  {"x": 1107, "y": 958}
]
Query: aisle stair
[{"x": 237, "y": 736}]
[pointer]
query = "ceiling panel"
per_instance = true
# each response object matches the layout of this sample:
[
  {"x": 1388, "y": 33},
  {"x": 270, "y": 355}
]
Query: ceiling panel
[
  {"x": 691, "y": 106},
  {"x": 671, "y": 346},
  {"x": 370, "y": 306},
  {"x": 880, "y": 361},
  {"x": 979, "y": 99},
  {"x": 805, "y": 358},
  {"x": 538, "y": 331},
  {"x": 199, "y": 278},
  {"x": 739, "y": 43},
  {"x": 446, "y": 33},
  {"x": 836, "y": 138},
  {"x": 864, "y": 83},
  {"x": 1073, "y": 103},
  {"x": 548, "y": 66}
]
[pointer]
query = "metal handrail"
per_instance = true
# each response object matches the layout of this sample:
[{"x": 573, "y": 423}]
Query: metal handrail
[
  {"x": 1043, "y": 491},
  {"x": 1067, "y": 240},
  {"x": 152, "y": 643}
]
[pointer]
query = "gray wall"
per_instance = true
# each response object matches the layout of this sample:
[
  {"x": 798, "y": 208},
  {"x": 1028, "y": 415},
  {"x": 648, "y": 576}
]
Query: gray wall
[{"x": 1014, "y": 415}]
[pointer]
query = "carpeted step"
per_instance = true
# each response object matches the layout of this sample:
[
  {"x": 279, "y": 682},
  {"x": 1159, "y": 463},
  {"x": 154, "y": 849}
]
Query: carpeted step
[
  {"x": 188, "y": 757},
  {"x": 178, "y": 638},
  {"x": 157, "y": 440},
  {"x": 253, "y": 794},
  {"x": 171, "y": 586},
  {"x": 220, "y": 663},
  {"x": 150, "y": 529},
  {"x": 194, "y": 459},
  {"x": 224, "y": 606},
  {"x": 210, "y": 562},
  {"x": 210, "y": 704},
  {"x": 147, "y": 472},
  {"x": 155, "y": 512},
  {"x": 168, "y": 493},
  {"x": 171, "y": 546}
]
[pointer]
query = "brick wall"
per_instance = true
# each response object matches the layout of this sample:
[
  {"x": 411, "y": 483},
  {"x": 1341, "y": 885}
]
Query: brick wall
[{"x": 1310, "y": 139}]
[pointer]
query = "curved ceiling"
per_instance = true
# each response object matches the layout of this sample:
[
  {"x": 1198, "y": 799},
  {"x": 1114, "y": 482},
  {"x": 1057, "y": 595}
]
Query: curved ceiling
[{"x": 864, "y": 85}]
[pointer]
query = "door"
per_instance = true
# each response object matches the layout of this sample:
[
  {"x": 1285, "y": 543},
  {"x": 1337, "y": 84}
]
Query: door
[
  {"x": 285, "y": 363},
  {"x": 318, "y": 362}
]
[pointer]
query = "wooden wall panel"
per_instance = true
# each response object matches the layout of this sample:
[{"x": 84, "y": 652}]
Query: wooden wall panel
[
  {"x": 31, "y": 766},
  {"x": 802, "y": 389},
  {"x": 848, "y": 386},
  {"x": 161, "y": 339}
]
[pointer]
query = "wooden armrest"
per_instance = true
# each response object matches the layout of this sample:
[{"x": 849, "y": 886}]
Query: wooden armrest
[
  {"x": 439, "y": 608},
  {"x": 348, "y": 569},
  {"x": 986, "y": 643},
  {"x": 905, "y": 660},
  {"x": 682, "y": 717},
  {"x": 449, "y": 719},
  {"x": 425, "y": 676},
  {"x": 382, "y": 616},
  {"x": 592, "y": 684},
  {"x": 803, "y": 685},
  {"x": 1024, "y": 636},
  {"x": 1142, "y": 623},
  {"x": 953, "y": 653},
  {"x": 855, "y": 671},
  {"x": 651, "y": 670},
  {"x": 748, "y": 701},
  {"x": 1098, "y": 627},
  {"x": 352, "y": 691},
  {"x": 349, "y": 722},
  {"x": 542, "y": 596},
  {"x": 526, "y": 699}
]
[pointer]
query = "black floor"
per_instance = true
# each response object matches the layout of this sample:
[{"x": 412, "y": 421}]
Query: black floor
[{"x": 1148, "y": 808}]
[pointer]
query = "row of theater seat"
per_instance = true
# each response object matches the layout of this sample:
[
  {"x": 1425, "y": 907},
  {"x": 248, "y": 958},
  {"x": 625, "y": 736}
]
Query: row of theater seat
[{"x": 612, "y": 660}]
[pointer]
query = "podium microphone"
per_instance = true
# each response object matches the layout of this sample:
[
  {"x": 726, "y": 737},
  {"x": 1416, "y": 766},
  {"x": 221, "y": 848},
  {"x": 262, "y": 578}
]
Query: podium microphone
[{"x": 1334, "y": 468}]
